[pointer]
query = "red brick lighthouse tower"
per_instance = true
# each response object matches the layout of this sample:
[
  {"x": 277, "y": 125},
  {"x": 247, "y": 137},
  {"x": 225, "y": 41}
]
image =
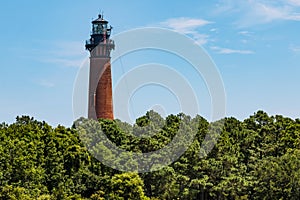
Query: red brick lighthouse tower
[{"x": 100, "y": 85}]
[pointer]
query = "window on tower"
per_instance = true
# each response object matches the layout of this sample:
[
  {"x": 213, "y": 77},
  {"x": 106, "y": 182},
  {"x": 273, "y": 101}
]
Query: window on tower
[{"x": 96, "y": 29}]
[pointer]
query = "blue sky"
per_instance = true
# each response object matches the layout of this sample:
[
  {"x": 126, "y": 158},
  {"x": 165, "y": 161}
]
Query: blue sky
[{"x": 255, "y": 45}]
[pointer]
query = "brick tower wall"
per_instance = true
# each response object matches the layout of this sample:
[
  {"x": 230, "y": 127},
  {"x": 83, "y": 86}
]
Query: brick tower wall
[
  {"x": 100, "y": 84},
  {"x": 104, "y": 101}
]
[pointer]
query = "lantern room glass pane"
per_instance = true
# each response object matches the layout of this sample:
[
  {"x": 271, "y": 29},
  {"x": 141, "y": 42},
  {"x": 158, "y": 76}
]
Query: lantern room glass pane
[{"x": 99, "y": 28}]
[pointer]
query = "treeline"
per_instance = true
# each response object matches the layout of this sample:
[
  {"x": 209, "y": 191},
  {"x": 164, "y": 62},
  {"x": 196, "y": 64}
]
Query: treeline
[{"x": 258, "y": 158}]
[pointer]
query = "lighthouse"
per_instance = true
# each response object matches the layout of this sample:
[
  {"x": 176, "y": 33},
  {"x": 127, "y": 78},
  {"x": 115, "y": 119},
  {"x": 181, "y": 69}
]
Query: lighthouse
[{"x": 100, "y": 101}]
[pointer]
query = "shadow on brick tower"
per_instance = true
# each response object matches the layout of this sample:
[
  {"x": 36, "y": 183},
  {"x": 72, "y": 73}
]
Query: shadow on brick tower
[{"x": 100, "y": 103}]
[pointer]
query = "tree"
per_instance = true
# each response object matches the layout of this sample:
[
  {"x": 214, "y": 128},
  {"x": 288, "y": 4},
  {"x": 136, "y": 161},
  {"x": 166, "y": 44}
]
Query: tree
[{"x": 127, "y": 186}]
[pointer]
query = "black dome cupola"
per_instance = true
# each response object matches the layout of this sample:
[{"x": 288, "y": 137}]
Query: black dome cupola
[{"x": 100, "y": 33}]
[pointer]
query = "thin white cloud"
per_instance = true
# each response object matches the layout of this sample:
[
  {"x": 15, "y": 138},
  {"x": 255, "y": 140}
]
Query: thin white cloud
[
  {"x": 294, "y": 2},
  {"x": 221, "y": 50},
  {"x": 188, "y": 26},
  {"x": 65, "y": 62},
  {"x": 295, "y": 49},
  {"x": 253, "y": 12},
  {"x": 184, "y": 25},
  {"x": 244, "y": 33},
  {"x": 244, "y": 41},
  {"x": 61, "y": 53},
  {"x": 269, "y": 13},
  {"x": 200, "y": 39},
  {"x": 68, "y": 49},
  {"x": 45, "y": 83}
]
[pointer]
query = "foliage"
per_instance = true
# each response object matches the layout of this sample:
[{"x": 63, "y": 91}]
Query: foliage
[{"x": 258, "y": 158}]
